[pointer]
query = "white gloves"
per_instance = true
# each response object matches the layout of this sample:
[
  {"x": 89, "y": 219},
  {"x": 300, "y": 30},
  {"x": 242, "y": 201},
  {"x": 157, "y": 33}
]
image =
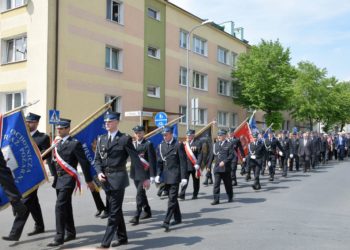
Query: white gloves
[
  {"x": 101, "y": 177},
  {"x": 291, "y": 156},
  {"x": 280, "y": 153},
  {"x": 196, "y": 166},
  {"x": 243, "y": 159},
  {"x": 152, "y": 180},
  {"x": 183, "y": 182},
  {"x": 157, "y": 179},
  {"x": 269, "y": 163}
]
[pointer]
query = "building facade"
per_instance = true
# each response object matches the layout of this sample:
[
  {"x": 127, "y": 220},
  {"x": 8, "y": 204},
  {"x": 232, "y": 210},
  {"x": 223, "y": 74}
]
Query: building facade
[{"x": 74, "y": 55}]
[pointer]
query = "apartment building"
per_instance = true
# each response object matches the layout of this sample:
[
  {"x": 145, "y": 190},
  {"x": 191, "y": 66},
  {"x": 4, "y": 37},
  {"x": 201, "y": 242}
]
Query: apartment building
[{"x": 74, "y": 55}]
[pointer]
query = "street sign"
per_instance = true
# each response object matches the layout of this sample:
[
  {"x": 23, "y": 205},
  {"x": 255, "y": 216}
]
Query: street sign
[
  {"x": 54, "y": 116},
  {"x": 160, "y": 119},
  {"x": 138, "y": 113}
]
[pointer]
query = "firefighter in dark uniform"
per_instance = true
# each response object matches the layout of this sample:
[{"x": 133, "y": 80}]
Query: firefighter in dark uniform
[
  {"x": 32, "y": 201},
  {"x": 286, "y": 144},
  {"x": 172, "y": 166},
  {"x": 8, "y": 184},
  {"x": 255, "y": 159},
  {"x": 271, "y": 145},
  {"x": 112, "y": 152},
  {"x": 194, "y": 147},
  {"x": 67, "y": 154},
  {"x": 237, "y": 148},
  {"x": 293, "y": 154},
  {"x": 222, "y": 154},
  {"x": 304, "y": 152},
  {"x": 148, "y": 158}
]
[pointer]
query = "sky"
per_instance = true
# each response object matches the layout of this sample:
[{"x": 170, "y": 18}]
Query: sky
[{"x": 314, "y": 31}]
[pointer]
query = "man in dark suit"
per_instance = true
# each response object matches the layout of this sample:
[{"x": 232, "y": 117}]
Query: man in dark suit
[
  {"x": 112, "y": 152},
  {"x": 237, "y": 149},
  {"x": 271, "y": 145},
  {"x": 172, "y": 166},
  {"x": 8, "y": 184},
  {"x": 255, "y": 158},
  {"x": 193, "y": 153},
  {"x": 148, "y": 159},
  {"x": 67, "y": 154},
  {"x": 315, "y": 149},
  {"x": 222, "y": 153},
  {"x": 304, "y": 151},
  {"x": 31, "y": 201},
  {"x": 286, "y": 145},
  {"x": 293, "y": 154}
]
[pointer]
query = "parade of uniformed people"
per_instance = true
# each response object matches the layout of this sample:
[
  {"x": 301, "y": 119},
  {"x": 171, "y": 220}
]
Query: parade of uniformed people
[{"x": 163, "y": 124}]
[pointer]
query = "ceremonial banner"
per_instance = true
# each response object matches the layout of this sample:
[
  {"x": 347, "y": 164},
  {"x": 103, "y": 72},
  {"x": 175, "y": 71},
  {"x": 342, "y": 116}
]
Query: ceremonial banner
[
  {"x": 22, "y": 155},
  {"x": 245, "y": 135},
  {"x": 88, "y": 135},
  {"x": 205, "y": 137}
]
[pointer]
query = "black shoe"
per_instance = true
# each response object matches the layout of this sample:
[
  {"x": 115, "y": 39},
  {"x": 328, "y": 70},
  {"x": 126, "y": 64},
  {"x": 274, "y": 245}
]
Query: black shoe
[
  {"x": 247, "y": 178},
  {"x": 176, "y": 222},
  {"x": 146, "y": 215},
  {"x": 215, "y": 203},
  {"x": 134, "y": 221},
  {"x": 234, "y": 183},
  {"x": 256, "y": 186},
  {"x": 104, "y": 215},
  {"x": 69, "y": 238},
  {"x": 271, "y": 178},
  {"x": 119, "y": 243},
  {"x": 194, "y": 197},
  {"x": 230, "y": 200},
  {"x": 102, "y": 247},
  {"x": 98, "y": 213},
  {"x": 55, "y": 243},
  {"x": 165, "y": 193},
  {"x": 36, "y": 231},
  {"x": 205, "y": 183},
  {"x": 166, "y": 226},
  {"x": 284, "y": 175},
  {"x": 182, "y": 197},
  {"x": 210, "y": 181},
  {"x": 10, "y": 238}
]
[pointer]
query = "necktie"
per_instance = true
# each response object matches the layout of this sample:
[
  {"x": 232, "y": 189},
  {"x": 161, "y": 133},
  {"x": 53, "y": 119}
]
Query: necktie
[{"x": 109, "y": 141}]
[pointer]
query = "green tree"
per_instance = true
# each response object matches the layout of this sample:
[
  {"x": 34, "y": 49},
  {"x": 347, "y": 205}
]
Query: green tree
[{"x": 264, "y": 78}]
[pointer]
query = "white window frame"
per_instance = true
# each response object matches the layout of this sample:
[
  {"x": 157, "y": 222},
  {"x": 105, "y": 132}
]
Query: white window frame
[
  {"x": 200, "y": 46},
  {"x": 109, "y": 64},
  {"x": 234, "y": 90},
  {"x": 12, "y": 4},
  {"x": 202, "y": 116},
  {"x": 183, "y": 39},
  {"x": 120, "y": 16},
  {"x": 17, "y": 54},
  {"x": 234, "y": 59},
  {"x": 223, "y": 55},
  {"x": 183, "y": 76},
  {"x": 226, "y": 87},
  {"x": 183, "y": 111},
  {"x": 116, "y": 105},
  {"x": 223, "y": 119},
  {"x": 202, "y": 84},
  {"x": 153, "y": 11},
  {"x": 156, "y": 91},
  {"x": 13, "y": 100},
  {"x": 156, "y": 51}
]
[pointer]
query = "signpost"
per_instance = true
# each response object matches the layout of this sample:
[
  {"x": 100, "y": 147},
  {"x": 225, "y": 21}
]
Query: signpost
[
  {"x": 160, "y": 119},
  {"x": 138, "y": 113},
  {"x": 54, "y": 117}
]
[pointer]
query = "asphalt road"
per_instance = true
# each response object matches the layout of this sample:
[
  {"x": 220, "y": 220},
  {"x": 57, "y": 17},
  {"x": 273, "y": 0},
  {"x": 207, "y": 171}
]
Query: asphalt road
[{"x": 303, "y": 211}]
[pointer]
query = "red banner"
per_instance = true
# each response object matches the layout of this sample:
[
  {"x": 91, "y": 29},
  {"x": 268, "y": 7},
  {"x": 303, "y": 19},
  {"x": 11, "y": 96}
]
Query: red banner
[{"x": 245, "y": 135}]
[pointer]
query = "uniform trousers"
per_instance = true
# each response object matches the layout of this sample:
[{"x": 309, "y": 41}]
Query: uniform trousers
[
  {"x": 173, "y": 204},
  {"x": 195, "y": 183},
  {"x": 226, "y": 177},
  {"x": 64, "y": 214},
  {"x": 141, "y": 199}
]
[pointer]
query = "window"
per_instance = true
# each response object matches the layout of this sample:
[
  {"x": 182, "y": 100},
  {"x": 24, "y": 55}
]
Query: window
[
  {"x": 115, "y": 10},
  {"x": 153, "y": 14},
  {"x": 116, "y": 104},
  {"x": 182, "y": 111},
  {"x": 222, "y": 55},
  {"x": 202, "y": 116},
  {"x": 113, "y": 59},
  {"x": 200, "y": 81},
  {"x": 183, "y": 39},
  {"x": 233, "y": 59},
  {"x": 153, "y": 52},
  {"x": 14, "y": 50},
  {"x": 153, "y": 91},
  {"x": 234, "y": 121},
  {"x": 224, "y": 87},
  {"x": 11, "y": 4},
  {"x": 14, "y": 100},
  {"x": 223, "y": 120},
  {"x": 183, "y": 76},
  {"x": 235, "y": 90},
  {"x": 200, "y": 46}
]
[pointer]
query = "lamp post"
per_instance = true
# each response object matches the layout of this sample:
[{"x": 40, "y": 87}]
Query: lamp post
[{"x": 188, "y": 112}]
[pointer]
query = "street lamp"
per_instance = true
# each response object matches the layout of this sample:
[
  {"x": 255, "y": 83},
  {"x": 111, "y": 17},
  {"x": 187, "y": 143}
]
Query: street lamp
[{"x": 188, "y": 112}]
